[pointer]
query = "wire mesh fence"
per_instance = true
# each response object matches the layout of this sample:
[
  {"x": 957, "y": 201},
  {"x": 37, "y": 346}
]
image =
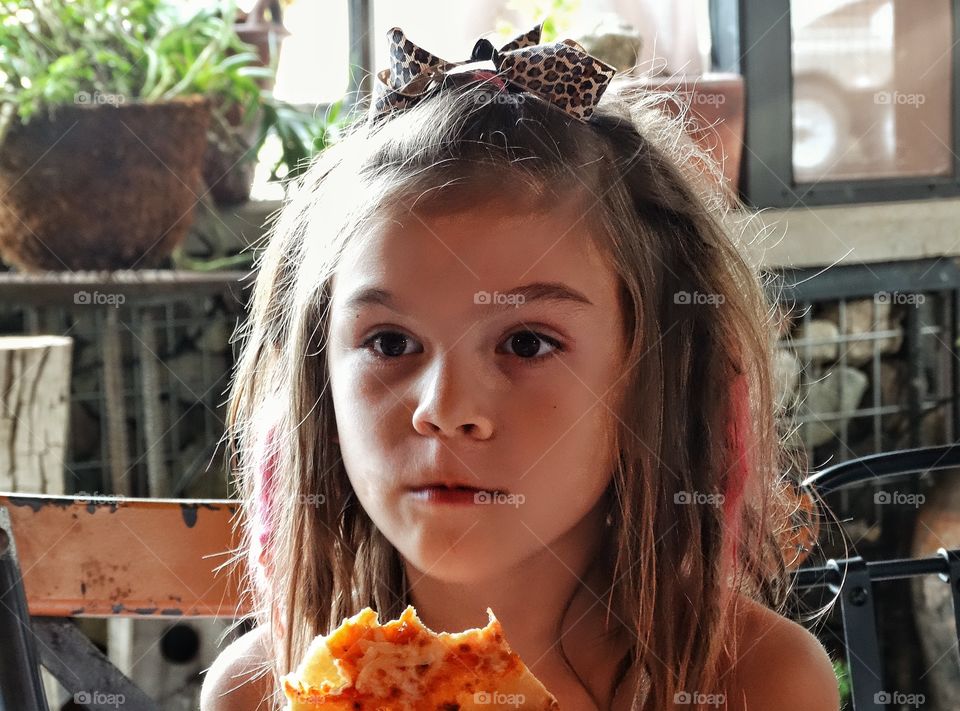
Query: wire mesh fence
[{"x": 151, "y": 365}]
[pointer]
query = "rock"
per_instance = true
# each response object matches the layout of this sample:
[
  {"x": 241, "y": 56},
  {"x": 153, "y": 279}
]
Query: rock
[
  {"x": 895, "y": 389},
  {"x": 927, "y": 316},
  {"x": 214, "y": 337},
  {"x": 822, "y": 335},
  {"x": 934, "y": 427},
  {"x": 824, "y": 396},
  {"x": 84, "y": 433},
  {"x": 87, "y": 356},
  {"x": 894, "y": 382},
  {"x": 87, "y": 384},
  {"x": 210, "y": 477},
  {"x": 186, "y": 375},
  {"x": 191, "y": 419},
  {"x": 860, "y": 531},
  {"x": 784, "y": 320},
  {"x": 786, "y": 377},
  {"x": 864, "y": 316}
]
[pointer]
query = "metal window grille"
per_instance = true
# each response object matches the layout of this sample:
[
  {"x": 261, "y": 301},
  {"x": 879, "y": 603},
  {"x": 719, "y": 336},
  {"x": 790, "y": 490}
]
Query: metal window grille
[
  {"x": 926, "y": 298},
  {"x": 139, "y": 379}
]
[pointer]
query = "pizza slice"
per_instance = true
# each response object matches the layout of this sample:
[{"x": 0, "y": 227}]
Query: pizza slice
[{"x": 405, "y": 666}]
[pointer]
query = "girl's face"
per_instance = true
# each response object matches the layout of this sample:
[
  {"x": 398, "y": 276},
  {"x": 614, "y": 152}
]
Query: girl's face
[{"x": 482, "y": 348}]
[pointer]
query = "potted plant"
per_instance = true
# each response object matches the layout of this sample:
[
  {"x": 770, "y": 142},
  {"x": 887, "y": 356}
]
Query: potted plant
[
  {"x": 301, "y": 135},
  {"x": 228, "y": 167},
  {"x": 288, "y": 139},
  {"x": 105, "y": 109}
]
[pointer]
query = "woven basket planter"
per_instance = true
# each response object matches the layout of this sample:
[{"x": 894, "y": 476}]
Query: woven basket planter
[{"x": 98, "y": 186}]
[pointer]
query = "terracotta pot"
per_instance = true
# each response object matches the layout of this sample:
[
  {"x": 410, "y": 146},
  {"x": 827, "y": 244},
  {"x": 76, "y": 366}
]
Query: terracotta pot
[
  {"x": 228, "y": 173},
  {"x": 101, "y": 186},
  {"x": 716, "y": 109}
]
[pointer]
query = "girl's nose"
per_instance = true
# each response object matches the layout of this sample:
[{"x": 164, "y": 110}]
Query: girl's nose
[{"x": 451, "y": 404}]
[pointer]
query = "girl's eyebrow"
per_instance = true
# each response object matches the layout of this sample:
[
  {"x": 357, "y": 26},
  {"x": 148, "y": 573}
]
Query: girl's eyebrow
[{"x": 497, "y": 302}]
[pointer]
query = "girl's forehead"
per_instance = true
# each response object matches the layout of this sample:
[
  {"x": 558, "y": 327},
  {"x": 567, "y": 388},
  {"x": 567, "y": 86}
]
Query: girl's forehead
[
  {"x": 495, "y": 236},
  {"x": 490, "y": 248}
]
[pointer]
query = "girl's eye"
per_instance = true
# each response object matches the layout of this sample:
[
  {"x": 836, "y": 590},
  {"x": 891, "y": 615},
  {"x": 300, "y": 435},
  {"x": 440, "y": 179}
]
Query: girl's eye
[
  {"x": 526, "y": 345},
  {"x": 392, "y": 344}
]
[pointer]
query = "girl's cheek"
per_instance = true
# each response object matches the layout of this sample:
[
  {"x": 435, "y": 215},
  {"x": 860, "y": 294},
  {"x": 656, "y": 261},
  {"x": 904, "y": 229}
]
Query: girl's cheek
[
  {"x": 371, "y": 369},
  {"x": 375, "y": 389},
  {"x": 356, "y": 375}
]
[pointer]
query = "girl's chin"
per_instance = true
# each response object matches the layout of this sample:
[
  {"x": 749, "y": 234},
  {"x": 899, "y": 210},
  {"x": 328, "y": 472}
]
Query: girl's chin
[{"x": 457, "y": 566}]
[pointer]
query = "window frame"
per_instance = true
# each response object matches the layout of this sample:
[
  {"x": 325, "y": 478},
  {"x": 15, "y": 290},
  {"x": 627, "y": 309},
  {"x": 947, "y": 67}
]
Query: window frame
[{"x": 763, "y": 27}]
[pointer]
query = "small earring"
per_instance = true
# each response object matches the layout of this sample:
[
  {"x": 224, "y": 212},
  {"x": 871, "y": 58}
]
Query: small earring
[{"x": 609, "y": 519}]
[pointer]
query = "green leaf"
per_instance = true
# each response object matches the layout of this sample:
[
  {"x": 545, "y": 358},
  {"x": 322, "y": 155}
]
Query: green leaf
[{"x": 256, "y": 72}]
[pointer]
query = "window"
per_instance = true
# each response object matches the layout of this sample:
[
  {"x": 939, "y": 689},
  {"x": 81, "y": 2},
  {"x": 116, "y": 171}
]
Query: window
[{"x": 314, "y": 66}]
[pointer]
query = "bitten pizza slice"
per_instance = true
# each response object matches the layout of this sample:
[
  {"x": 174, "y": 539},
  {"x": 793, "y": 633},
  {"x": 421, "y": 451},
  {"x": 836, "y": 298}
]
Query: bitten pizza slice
[{"x": 405, "y": 666}]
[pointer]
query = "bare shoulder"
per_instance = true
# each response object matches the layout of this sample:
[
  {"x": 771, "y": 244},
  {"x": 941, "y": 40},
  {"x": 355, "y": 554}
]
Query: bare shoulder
[
  {"x": 239, "y": 679},
  {"x": 780, "y": 665}
]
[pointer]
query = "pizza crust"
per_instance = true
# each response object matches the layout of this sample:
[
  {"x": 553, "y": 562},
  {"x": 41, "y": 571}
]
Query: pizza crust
[{"x": 405, "y": 666}]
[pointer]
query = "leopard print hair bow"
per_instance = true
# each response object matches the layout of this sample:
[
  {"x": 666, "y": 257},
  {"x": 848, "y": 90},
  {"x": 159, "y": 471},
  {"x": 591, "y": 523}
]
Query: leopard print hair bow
[{"x": 561, "y": 73}]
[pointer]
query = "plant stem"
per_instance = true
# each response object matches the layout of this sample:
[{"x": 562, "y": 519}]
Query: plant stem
[{"x": 7, "y": 111}]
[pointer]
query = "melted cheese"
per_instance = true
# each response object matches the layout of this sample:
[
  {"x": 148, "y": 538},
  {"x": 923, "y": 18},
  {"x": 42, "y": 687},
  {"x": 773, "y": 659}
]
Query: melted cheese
[{"x": 409, "y": 668}]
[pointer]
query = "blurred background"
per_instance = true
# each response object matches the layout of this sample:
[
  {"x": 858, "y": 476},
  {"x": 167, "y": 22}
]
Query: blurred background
[{"x": 146, "y": 145}]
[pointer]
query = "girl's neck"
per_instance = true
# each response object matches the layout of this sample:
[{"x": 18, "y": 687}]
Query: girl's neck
[{"x": 530, "y": 601}]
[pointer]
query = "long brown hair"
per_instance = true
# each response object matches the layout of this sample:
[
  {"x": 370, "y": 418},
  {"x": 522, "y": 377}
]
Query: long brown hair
[{"x": 696, "y": 415}]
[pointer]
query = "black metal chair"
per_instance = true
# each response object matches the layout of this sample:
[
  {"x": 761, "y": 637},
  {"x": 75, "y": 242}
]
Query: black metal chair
[{"x": 853, "y": 578}]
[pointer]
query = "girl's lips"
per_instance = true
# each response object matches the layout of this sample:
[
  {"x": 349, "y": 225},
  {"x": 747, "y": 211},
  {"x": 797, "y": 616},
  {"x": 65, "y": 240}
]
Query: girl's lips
[
  {"x": 461, "y": 496},
  {"x": 451, "y": 482}
]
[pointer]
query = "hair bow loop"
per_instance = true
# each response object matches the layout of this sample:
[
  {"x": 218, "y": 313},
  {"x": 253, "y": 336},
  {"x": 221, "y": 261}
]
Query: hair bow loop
[{"x": 484, "y": 49}]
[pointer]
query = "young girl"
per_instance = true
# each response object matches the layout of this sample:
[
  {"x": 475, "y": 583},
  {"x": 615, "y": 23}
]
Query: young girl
[{"x": 542, "y": 300}]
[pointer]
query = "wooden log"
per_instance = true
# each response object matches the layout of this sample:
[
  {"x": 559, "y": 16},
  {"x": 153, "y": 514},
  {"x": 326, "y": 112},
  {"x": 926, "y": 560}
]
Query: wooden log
[{"x": 34, "y": 412}]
